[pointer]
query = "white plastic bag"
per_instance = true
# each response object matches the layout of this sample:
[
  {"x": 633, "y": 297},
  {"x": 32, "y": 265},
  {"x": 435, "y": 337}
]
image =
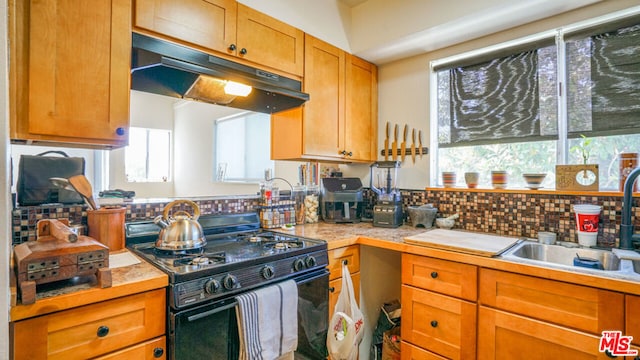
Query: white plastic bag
[{"x": 346, "y": 326}]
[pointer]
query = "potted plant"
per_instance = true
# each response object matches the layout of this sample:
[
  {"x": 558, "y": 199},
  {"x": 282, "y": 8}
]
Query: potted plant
[{"x": 578, "y": 177}]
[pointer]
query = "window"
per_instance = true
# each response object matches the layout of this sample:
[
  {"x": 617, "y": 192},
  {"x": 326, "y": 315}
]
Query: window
[
  {"x": 148, "y": 156},
  {"x": 498, "y": 109},
  {"x": 243, "y": 148}
]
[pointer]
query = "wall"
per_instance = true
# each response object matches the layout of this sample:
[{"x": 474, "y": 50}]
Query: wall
[{"x": 404, "y": 84}]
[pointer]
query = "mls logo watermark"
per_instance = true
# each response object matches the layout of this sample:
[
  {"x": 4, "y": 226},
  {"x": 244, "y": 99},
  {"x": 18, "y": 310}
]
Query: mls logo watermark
[{"x": 616, "y": 344}]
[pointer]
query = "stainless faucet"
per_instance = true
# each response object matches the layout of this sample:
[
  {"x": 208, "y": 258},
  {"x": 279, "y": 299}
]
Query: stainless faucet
[{"x": 626, "y": 226}]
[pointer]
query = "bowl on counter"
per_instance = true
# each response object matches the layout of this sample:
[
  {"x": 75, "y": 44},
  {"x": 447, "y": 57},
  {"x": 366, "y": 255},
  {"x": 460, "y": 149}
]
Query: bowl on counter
[
  {"x": 445, "y": 223},
  {"x": 534, "y": 181},
  {"x": 422, "y": 216}
]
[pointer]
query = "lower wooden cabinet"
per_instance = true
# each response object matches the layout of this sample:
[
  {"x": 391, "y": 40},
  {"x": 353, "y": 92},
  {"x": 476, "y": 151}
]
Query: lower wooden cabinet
[
  {"x": 632, "y": 318},
  {"x": 503, "y": 335},
  {"x": 94, "y": 330},
  {"x": 148, "y": 350},
  {"x": 410, "y": 352},
  {"x": 441, "y": 324}
]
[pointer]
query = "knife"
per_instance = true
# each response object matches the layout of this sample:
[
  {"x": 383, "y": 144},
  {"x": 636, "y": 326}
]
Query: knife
[
  {"x": 386, "y": 143},
  {"x": 420, "y": 143},
  {"x": 413, "y": 146},
  {"x": 394, "y": 145},
  {"x": 403, "y": 146}
]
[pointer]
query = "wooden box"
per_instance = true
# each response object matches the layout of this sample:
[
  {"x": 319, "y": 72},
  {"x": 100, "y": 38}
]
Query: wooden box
[{"x": 577, "y": 177}]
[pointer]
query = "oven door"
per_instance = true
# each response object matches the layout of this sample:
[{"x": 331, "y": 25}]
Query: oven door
[{"x": 211, "y": 331}]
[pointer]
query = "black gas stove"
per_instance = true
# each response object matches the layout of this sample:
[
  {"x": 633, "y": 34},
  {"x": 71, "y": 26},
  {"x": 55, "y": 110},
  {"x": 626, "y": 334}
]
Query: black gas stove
[{"x": 238, "y": 256}]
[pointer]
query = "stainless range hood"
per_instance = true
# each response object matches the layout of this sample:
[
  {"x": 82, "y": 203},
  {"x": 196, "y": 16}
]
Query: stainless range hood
[{"x": 165, "y": 68}]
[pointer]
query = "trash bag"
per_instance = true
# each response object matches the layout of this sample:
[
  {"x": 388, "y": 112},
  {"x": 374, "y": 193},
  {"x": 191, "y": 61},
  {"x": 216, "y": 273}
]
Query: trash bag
[
  {"x": 346, "y": 325},
  {"x": 389, "y": 318}
]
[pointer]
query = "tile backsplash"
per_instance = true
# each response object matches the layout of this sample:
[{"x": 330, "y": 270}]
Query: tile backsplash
[
  {"x": 505, "y": 213},
  {"x": 524, "y": 214}
]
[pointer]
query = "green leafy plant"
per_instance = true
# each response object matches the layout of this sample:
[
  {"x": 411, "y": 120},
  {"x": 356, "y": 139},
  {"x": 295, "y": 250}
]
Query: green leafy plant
[{"x": 583, "y": 149}]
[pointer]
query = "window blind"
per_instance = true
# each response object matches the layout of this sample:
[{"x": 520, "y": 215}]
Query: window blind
[
  {"x": 614, "y": 85},
  {"x": 497, "y": 101}
]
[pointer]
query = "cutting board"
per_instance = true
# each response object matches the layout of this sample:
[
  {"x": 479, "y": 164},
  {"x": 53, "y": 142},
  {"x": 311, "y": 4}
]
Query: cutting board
[{"x": 465, "y": 242}]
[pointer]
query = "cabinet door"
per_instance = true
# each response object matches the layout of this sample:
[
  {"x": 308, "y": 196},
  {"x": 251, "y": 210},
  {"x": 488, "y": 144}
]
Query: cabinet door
[
  {"x": 148, "y": 350},
  {"x": 503, "y": 335},
  {"x": 361, "y": 120},
  {"x": 92, "y": 330},
  {"x": 77, "y": 72},
  {"x": 439, "y": 323},
  {"x": 323, "y": 128},
  {"x": 410, "y": 352},
  {"x": 270, "y": 42},
  {"x": 350, "y": 254},
  {"x": 632, "y": 316},
  {"x": 442, "y": 276},
  {"x": 210, "y": 24},
  {"x": 584, "y": 308}
]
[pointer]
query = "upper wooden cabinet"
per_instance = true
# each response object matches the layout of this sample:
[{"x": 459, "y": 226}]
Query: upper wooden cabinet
[
  {"x": 225, "y": 27},
  {"x": 69, "y": 72},
  {"x": 339, "y": 122}
]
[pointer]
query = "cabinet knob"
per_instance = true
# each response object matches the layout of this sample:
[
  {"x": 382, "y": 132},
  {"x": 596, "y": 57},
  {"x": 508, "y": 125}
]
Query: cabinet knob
[
  {"x": 232, "y": 47},
  {"x": 434, "y": 323},
  {"x": 158, "y": 352},
  {"x": 243, "y": 51},
  {"x": 434, "y": 274},
  {"x": 103, "y": 331},
  {"x": 332, "y": 289},
  {"x": 120, "y": 131}
]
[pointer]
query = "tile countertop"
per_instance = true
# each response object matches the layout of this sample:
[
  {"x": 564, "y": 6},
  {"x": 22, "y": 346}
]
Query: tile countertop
[
  {"x": 67, "y": 294},
  {"x": 364, "y": 233}
]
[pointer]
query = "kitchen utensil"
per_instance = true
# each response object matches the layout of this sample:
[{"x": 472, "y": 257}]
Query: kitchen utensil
[
  {"x": 413, "y": 146},
  {"x": 107, "y": 226},
  {"x": 82, "y": 185},
  {"x": 394, "y": 145},
  {"x": 422, "y": 216},
  {"x": 587, "y": 262},
  {"x": 420, "y": 143},
  {"x": 547, "y": 238},
  {"x": 448, "y": 222},
  {"x": 58, "y": 254},
  {"x": 403, "y": 146},
  {"x": 386, "y": 142},
  {"x": 180, "y": 231}
]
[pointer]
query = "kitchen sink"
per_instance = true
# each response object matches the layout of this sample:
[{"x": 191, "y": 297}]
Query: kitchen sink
[{"x": 603, "y": 262}]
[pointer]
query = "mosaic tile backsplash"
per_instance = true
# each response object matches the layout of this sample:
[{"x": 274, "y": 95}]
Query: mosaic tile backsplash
[{"x": 514, "y": 214}]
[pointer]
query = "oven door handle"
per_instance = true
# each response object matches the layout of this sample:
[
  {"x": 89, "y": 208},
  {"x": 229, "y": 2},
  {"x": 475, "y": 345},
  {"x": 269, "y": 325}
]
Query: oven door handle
[{"x": 211, "y": 312}]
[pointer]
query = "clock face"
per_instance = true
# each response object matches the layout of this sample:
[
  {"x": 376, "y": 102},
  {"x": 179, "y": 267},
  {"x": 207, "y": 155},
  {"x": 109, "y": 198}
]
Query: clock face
[{"x": 585, "y": 177}]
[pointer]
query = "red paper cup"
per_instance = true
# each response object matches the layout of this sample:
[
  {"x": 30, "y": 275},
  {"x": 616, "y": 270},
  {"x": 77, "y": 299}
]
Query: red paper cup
[{"x": 587, "y": 217}]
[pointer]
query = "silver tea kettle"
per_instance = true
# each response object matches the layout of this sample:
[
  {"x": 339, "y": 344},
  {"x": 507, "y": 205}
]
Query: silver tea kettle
[{"x": 181, "y": 231}]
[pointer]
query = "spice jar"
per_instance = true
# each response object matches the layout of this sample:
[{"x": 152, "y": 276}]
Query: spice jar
[{"x": 312, "y": 204}]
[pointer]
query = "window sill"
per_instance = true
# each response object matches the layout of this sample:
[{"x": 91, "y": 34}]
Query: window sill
[{"x": 533, "y": 192}]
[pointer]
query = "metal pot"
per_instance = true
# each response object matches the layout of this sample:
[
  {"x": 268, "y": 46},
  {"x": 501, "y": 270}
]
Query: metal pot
[{"x": 181, "y": 231}]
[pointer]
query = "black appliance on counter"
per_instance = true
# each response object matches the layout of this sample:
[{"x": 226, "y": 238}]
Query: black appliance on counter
[
  {"x": 341, "y": 200},
  {"x": 238, "y": 257}
]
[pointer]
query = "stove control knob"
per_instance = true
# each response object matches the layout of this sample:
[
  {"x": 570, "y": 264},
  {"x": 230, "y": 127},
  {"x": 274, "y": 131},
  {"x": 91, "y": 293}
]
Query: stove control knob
[
  {"x": 230, "y": 282},
  {"x": 298, "y": 265},
  {"x": 268, "y": 272},
  {"x": 211, "y": 286},
  {"x": 310, "y": 261}
]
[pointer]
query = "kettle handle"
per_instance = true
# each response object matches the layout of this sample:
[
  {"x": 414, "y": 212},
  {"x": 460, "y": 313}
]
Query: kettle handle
[{"x": 196, "y": 209}]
